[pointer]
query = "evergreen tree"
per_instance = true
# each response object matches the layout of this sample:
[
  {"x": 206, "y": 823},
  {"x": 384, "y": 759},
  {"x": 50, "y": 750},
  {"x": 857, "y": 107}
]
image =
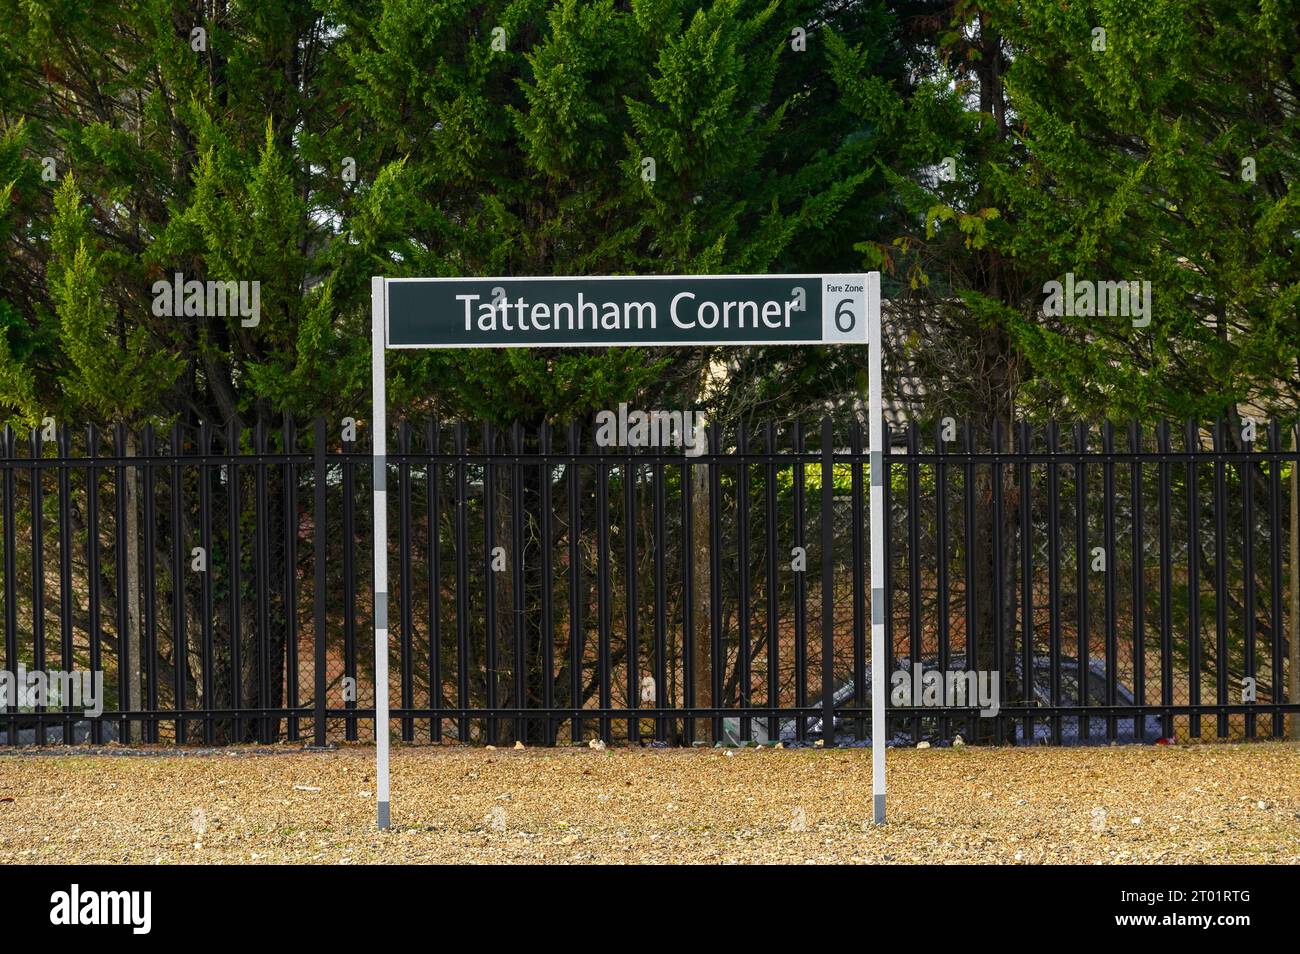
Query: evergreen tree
[
  {"x": 598, "y": 138},
  {"x": 1162, "y": 149}
]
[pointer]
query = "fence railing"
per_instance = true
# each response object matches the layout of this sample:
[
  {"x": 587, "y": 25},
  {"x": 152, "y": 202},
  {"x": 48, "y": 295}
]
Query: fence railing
[{"x": 1092, "y": 584}]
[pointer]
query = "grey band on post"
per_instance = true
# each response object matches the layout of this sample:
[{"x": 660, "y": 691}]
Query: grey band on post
[
  {"x": 381, "y": 610},
  {"x": 878, "y": 605},
  {"x": 381, "y": 473},
  {"x": 880, "y": 810},
  {"x": 382, "y": 815}
]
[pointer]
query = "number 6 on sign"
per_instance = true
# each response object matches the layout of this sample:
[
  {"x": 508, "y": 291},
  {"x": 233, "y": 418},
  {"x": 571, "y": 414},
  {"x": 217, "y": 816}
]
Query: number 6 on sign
[{"x": 844, "y": 318}]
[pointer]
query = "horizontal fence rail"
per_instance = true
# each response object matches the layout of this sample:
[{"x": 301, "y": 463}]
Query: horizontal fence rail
[{"x": 1044, "y": 585}]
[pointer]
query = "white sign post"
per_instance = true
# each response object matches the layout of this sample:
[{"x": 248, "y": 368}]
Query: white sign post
[
  {"x": 623, "y": 311},
  {"x": 875, "y": 430},
  {"x": 379, "y": 448}
]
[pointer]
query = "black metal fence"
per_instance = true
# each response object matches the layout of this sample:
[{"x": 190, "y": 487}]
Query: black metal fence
[{"x": 1109, "y": 586}]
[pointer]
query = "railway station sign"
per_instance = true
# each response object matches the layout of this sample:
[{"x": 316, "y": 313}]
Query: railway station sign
[{"x": 655, "y": 310}]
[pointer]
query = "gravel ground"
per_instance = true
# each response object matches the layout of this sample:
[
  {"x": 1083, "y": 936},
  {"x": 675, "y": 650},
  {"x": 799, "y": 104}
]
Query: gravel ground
[{"x": 1158, "y": 804}]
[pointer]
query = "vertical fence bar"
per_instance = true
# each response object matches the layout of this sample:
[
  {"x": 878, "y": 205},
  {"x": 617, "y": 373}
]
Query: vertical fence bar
[
  {"x": 1135, "y": 444},
  {"x": 1276, "y": 622},
  {"x": 349, "y": 584},
  {"x": 119, "y": 552},
  {"x": 887, "y": 539},
  {"x": 1166, "y": 582},
  {"x": 432, "y": 443},
  {"x": 489, "y": 577},
  {"x": 262, "y": 556},
  {"x": 973, "y": 661},
  {"x": 914, "y": 646},
  {"x": 289, "y": 476},
  {"x": 64, "y": 447},
  {"x": 660, "y": 598},
  {"x": 577, "y": 640},
  {"x": 828, "y": 581},
  {"x": 207, "y": 654},
  {"x": 1221, "y": 578},
  {"x": 150, "y": 587},
  {"x": 234, "y": 506},
  {"x": 1083, "y": 652},
  {"x": 11, "y": 583},
  {"x": 11, "y": 580},
  {"x": 1028, "y": 660},
  {"x": 717, "y": 661},
  {"x": 180, "y": 649},
  {"x": 800, "y": 591},
  {"x": 999, "y": 594},
  {"x": 519, "y": 664},
  {"x": 236, "y": 583},
  {"x": 631, "y": 598},
  {"x": 320, "y": 532},
  {"x": 771, "y": 523},
  {"x": 603, "y": 599},
  {"x": 1192, "y": 442},
  {"x": 1054, "y": 575},
  {"x": 38, "y": 571},
  {"x": 462, "y": 584},
  {"x": 688, "y": 598},
  {"x": 1112, "y": 564},
  {"x": 406, "y": 648},
  {"x": 941, "y": 568},
  {"x": 859, "y": 582},
  {"x": 631, "y": 603},
  {"x": 546, "y": 506},
  {"x": 743, "y": 581},
  {"x": 1247, "y": 478},
  {"x": 94, "y": 633}
]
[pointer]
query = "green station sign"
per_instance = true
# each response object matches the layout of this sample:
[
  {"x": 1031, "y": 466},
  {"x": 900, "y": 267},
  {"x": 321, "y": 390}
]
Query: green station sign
[{"x": 636, "y": 310}]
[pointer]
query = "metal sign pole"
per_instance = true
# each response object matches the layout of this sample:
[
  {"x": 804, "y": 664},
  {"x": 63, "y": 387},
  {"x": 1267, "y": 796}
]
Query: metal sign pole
[
  {"x": 379, "y": 433},
  {"x": 876, "y": 430}
]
